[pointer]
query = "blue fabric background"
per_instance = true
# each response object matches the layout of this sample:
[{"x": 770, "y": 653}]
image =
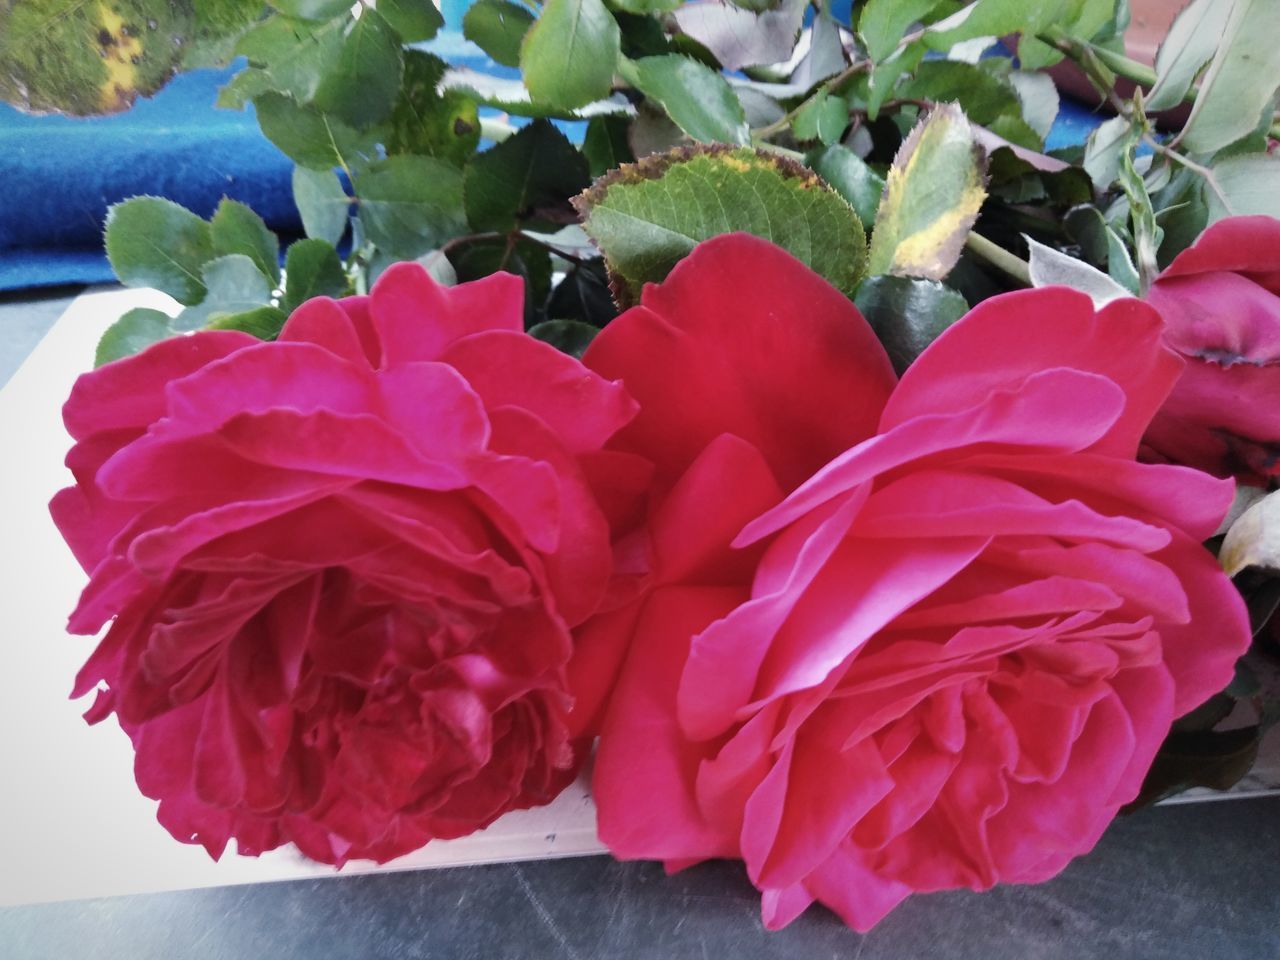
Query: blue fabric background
[{"x": 62, "y": 173}]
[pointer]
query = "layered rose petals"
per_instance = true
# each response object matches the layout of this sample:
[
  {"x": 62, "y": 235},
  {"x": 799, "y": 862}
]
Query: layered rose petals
[
  {"x": 1221, "y": 301},
  {"x": 897, "y": 638},
  {"x": 343, "y": 567}
]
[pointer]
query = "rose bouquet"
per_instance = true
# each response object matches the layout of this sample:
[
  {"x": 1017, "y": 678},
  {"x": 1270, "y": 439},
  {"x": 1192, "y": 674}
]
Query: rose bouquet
[{"x": 682, "y": 399}]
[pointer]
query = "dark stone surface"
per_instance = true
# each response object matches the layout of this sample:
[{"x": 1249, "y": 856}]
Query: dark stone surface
[{"x": 1198, "y": 882}]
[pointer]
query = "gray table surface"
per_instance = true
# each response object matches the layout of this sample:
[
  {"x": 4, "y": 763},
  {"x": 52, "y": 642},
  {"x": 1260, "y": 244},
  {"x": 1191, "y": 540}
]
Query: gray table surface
[{"x": 1198, "y": 881}]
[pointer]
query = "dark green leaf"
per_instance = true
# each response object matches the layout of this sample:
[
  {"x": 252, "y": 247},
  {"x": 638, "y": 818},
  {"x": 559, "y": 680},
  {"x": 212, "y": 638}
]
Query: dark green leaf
[
  {"x": 429, "y": 122},
  {"x": 132, "y": 333},
  {"x": 908, "y": 314},
  {"x": 851, "y": 178},
  {"x": 413, "y": 20},
  {"x": 235, "y": 285},
  {"x": 498, "y": 28},
  {"x": 605, "y": 145},
  {"x": 312, "y": 269},
  {"x": 698, "y": 99},
  {"x": 527, "y": 178},
  {"x": 1217, "y": 759},
  {"x": 322, "y": 203},
  {"x": 932, "y": 197},
  {"x": 360, "y": 87},
  {"x": 985, "y": 98},
  {"x": 567, "y": 336},
  {"x": 648, "y": 7},
  {"x": 569, "y": 55},
  {"x": 265, "y": 323},
  {"x": 648, "y": 215},
  {"x": 237, "y": 229},
  {"x": 156, "y": 243},
  {"x": 88, "y": 58},
  {"x": 583, "y": 295},
  {"x": 307, "y": 136},
  {"x": 409, "y": 205}
]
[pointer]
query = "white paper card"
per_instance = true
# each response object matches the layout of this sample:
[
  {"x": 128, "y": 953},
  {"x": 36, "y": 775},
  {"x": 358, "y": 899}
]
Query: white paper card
[{"x": 73, "y": 823}]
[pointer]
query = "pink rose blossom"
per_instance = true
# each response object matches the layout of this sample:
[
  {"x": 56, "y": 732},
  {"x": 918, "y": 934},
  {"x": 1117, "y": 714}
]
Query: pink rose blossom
[
  {"x": 898, "y": 637},
  {"x": 344, "y": 566},
  {"x": 1220, "y": 300}
]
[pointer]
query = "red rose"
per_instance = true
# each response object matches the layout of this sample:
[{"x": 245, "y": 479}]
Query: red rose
[
  {"x": 898, "y": 637},
  {"x": 343, "y": 566},
  {"x": 1220, "y": 300}
]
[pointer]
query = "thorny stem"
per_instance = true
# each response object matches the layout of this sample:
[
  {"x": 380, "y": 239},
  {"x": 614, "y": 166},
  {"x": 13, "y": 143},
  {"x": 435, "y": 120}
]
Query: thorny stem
[{"x": 1204, "y": 172}]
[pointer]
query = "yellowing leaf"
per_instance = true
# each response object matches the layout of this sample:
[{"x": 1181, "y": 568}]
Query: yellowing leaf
[{"x": 932, "y": 197}]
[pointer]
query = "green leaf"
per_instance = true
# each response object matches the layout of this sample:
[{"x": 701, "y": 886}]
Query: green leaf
[
  {"x": 1038, "y": 95},
  {"x": 132, "y": 333},
  {"x": 312, "y": 9},
  {"x": 156, "y": 243},
  {"x": 1248, "y": 184},
  {"x": 570, "y": 53},
  {"x": 311, "y": 269},
  {"x": 498, "y": 28},
  {"x": 265, "y": 323},
  {"x": 307, "y": 136},
  {"x": 1120, "y": 265},
  {"x": 646, "y": 216},
  {"x": 826, "y": 56},
  {"x": 697, "y": 98},
  {"x": 1254, "y": 539},
  {"x": 985, "y": 99},
  {"x": 883, "y": 23},
  {"x": 993, "y": 18},
  {"x": 88, "y": 58},
  {"x": 360, "y": 87},
  {"x": 1189, "y": 45},
  {"x": 932, "y": 197},
  {"x": 409, "y": 205},
  {"x": 429, "y": 122},
  {"x": 740, "y": 37},
  {"x": 567, "y": 336},
  {"x": 292, "y": 55},
  {"x": 823, "y": 117},
  {"x": 1051, "y": 267},
  {"x": 413, "y": 20},
  {"x": 605, "y": 144},
  {"x": 1104, "y": 149},
  {"x": 511, "y": 96},
  {"x": 845, "y": 171},
  {"x": 527, "y": 178},
  {"x": 908, "y": 314},
  {"x": 237, "y": 229},
  {"x": 235, "y": 285},
  {"x": 1242, "y": 80},
  {"x": 322, "y": 203}
]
